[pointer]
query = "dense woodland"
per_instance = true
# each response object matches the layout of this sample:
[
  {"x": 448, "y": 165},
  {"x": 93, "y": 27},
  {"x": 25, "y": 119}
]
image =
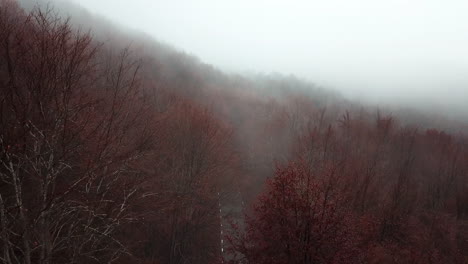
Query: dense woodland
[{"x": 141, "y": 154}]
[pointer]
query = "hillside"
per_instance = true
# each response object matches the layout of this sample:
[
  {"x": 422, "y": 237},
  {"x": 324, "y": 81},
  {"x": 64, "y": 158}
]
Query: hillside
[{"x": 115, "y": 147}]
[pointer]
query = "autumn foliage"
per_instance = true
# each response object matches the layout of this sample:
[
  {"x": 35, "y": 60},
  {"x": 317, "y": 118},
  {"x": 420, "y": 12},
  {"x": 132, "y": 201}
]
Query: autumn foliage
[
  {"x": 360, "y": 192},
  {"x": 299, "y": 220},
  {"x": 121, "y": 154}
]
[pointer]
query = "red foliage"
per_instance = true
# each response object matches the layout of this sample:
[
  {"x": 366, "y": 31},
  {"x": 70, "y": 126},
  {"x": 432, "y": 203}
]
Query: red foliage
[
  {"x": 299, "y": 219},
  {"x": 104, "y": 158}
]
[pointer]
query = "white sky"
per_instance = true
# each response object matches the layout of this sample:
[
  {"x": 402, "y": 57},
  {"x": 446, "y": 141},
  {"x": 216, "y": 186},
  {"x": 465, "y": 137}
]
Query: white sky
[{"x": 381, "y": 49}]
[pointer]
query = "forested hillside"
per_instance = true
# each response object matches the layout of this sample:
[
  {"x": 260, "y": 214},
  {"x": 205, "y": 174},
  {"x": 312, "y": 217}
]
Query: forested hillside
[{"x": 116, "y": 153}]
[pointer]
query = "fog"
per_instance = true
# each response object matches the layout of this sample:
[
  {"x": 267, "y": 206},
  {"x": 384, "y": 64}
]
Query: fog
[{"x": 399, "y": 51}]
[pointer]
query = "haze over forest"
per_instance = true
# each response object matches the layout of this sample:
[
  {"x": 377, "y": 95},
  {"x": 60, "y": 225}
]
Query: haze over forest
[
  {"x": 241, "y": 132},
  {"x": 394, "y": 52}
]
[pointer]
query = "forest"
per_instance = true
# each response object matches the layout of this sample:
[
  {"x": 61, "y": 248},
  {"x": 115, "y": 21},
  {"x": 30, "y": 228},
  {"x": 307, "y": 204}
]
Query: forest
[{"x": 115, "y": 153}]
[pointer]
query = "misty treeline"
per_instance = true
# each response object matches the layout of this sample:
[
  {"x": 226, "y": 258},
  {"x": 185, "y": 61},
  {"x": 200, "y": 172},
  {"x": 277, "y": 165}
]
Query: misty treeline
[{"x": 126, "y": 155}]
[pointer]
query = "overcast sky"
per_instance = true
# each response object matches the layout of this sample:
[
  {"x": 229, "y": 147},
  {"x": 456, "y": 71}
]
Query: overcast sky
[{"x": 386, "y": 50}]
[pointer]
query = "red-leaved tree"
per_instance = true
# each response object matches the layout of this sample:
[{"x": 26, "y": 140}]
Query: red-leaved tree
[{"x": 299, "y": 219}]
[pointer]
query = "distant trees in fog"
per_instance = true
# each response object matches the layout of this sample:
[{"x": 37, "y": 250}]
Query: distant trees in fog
[{"x": 111, "y": 155}]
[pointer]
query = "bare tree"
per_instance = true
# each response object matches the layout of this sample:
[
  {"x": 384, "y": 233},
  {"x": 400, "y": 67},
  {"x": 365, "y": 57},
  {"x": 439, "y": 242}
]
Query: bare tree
[{"x": 73, "y": 127}]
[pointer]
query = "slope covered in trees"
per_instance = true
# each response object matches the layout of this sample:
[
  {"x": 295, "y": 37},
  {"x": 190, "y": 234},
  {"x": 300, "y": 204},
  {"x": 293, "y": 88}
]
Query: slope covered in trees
[{"x": 141, "y": 154}]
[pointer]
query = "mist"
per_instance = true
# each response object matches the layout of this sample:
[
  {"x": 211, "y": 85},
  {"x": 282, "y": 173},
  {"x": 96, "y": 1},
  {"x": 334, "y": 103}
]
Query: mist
[
  {"x": 247, "y": 132},
  {"x": 387, "y": 52}
]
